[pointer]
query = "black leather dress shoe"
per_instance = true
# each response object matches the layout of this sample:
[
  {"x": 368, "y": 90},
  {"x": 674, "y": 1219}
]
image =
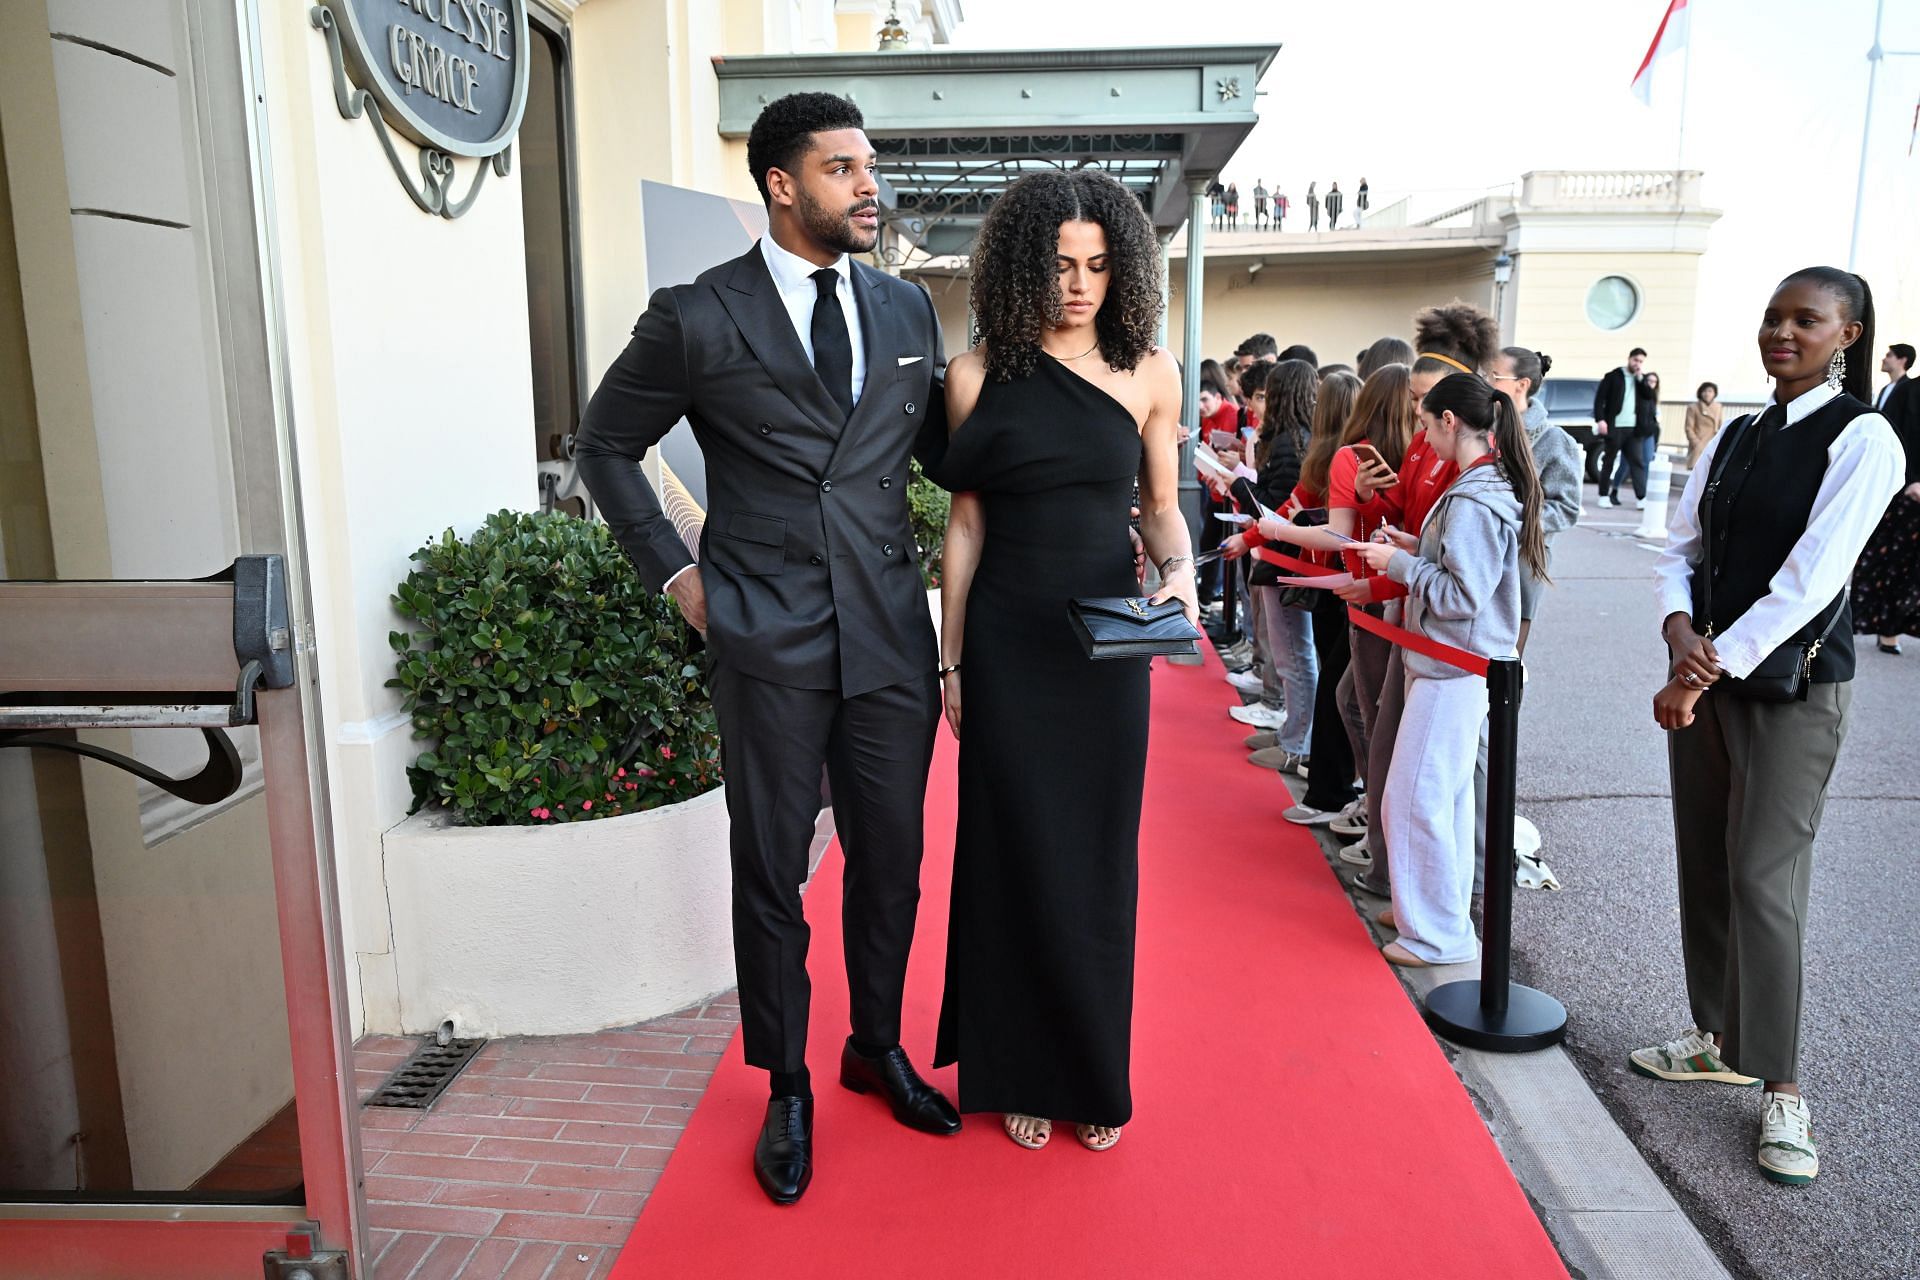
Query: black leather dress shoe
[
  {"x": 783, "y": 1158},
  {"x": 916, "y": 1104}
]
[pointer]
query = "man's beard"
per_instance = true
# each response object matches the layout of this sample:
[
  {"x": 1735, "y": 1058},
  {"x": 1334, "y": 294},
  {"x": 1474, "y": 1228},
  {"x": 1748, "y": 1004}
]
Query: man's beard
[{"x": 836, "y": 230}]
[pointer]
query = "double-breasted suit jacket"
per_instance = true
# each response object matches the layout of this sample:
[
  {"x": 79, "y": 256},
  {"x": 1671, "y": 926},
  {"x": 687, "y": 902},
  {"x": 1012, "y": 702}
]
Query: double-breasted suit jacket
[{"x": 807, "y": 556}]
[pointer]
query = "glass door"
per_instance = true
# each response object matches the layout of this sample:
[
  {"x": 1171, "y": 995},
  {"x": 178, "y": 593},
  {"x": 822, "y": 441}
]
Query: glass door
[{"x": 174, "y": 1074}]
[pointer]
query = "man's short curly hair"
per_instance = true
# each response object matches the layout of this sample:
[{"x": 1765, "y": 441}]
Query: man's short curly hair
[
  {"x": 1016, "y": 285},
  {"x": 784, "y": 132}
]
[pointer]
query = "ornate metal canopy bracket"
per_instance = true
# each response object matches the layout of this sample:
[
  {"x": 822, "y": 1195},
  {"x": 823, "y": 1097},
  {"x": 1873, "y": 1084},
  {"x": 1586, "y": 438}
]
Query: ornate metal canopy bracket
[{"x": 433, "y": 192}]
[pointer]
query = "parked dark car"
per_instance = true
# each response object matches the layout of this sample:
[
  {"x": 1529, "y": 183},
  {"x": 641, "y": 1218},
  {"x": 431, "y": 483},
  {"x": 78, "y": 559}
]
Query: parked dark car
[{"x": 1569, "y": 403}]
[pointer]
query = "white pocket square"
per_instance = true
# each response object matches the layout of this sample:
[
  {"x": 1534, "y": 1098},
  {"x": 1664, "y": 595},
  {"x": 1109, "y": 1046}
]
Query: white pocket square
[{"x": 911, "y": 359}]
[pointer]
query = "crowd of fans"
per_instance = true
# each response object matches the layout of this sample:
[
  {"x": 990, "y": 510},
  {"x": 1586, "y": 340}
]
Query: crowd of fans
[
  {"x": 1424, "y": 486},
  {"x": 1351, "y": 471}
]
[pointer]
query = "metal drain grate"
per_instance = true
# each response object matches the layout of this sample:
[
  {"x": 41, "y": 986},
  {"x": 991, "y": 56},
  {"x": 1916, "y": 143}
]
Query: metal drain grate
[{"x": 425, "y": 1076}]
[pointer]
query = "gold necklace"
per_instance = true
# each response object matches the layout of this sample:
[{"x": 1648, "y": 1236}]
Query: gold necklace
[{"x": 1082, "y": 356}]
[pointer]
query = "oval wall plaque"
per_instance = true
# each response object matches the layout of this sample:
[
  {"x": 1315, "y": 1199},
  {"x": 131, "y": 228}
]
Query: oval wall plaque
[{"x": 450, "y": 75}]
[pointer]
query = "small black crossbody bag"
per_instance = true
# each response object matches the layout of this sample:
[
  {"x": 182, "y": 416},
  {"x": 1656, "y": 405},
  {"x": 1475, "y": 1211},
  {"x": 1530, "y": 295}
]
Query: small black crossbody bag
[
  {"x": 1784, "y": 674},
  {"x": 1132, "y": 627}
]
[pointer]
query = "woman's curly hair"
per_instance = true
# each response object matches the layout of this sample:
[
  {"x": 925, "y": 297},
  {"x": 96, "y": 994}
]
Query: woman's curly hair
[
  {"x": 1460, "y": 331},
  {"x": 1015, "y": 293}
]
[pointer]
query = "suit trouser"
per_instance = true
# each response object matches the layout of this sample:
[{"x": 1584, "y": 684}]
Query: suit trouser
[
  {"x": 1749, "y": 783},
  {"x": 877, "y": 749}
]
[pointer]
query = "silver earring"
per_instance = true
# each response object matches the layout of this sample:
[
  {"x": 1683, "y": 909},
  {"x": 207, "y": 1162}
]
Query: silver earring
[{"x": 1837, "y": 368}]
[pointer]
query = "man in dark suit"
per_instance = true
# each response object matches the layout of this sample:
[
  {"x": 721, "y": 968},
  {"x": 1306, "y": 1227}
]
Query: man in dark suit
[
  {"x": 807, "y": 378},
  {"x": 1614, "y": 416}
]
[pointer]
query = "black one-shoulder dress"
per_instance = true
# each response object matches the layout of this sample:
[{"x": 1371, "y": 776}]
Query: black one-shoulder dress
[{"x": 1038, "y": 1009}]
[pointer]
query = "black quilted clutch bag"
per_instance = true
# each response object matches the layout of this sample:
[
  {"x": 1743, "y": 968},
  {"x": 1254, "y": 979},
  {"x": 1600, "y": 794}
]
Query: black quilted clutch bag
[{"x": 1130, "y": 627}]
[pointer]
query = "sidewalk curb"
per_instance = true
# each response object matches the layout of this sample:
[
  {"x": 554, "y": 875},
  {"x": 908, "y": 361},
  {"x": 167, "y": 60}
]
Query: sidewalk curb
[{"x": 1604, "y": 1207}]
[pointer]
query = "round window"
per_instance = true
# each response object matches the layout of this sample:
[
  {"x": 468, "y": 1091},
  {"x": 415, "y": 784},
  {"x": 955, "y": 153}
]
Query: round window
[{"x": 1613, "y": 302}]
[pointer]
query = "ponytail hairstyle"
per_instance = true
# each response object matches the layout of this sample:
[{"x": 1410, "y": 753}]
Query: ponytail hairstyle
[
  {"x": 1529, "y": 364},
  {"x": 1857, "y": 298},
  {"x": 1485, "y": 411},
  {"x": 1456, "y": 338},
  {"x": 1291, "y": 385},
  {"x": 1332, "y": 408},
  {"x": 1383, "y": 414}
]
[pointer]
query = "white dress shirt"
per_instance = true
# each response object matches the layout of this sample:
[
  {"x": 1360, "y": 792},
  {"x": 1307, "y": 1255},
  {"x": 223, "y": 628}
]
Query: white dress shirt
[
  {"x": 1866, "y": 467},
  {"x": 793, "y": 277},
  {"x": 1886, "y": 392}
]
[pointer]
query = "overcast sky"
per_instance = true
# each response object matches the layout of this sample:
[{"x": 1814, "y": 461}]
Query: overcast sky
[{"x": 1471, "y": 94}]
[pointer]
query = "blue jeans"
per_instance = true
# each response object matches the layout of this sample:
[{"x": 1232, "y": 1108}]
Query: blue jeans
[
  {"x": 1635, "y": 457},
  {"x": 1289, "y": 638}
]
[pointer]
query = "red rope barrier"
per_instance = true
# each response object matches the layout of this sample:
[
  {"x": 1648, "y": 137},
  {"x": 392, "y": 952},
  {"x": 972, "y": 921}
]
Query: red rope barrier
[
  {"x": 1406, "y": 639},
  {"x": 1468, "y": 662}
]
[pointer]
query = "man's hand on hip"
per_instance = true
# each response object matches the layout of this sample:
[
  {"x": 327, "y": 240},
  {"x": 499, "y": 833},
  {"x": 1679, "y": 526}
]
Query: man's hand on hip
[{"x": 691, "y": 595}]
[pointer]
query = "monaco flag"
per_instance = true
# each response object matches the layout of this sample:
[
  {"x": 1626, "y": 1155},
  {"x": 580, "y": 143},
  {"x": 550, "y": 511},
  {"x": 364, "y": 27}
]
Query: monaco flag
[{"x": 1671, "y": 37}]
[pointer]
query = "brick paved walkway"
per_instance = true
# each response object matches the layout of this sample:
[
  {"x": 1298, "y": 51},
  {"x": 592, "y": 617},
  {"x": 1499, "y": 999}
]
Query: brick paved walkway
[{"x": 534, "y": 1164}]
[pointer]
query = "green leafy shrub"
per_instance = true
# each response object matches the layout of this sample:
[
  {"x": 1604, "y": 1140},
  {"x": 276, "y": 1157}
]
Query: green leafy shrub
[
  {"x": 929, "y": 505},
  {"x": 557, "y": 687}
]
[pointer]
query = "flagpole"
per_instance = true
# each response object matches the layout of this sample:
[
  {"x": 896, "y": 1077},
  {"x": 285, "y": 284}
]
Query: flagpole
[
  {"x": 1686, "y": 75},
  {"x": 1874, "y": 55}
]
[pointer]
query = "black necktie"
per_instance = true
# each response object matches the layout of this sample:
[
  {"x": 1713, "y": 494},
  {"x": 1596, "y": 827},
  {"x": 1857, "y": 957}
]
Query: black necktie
[{"x": 832, "y": 349}]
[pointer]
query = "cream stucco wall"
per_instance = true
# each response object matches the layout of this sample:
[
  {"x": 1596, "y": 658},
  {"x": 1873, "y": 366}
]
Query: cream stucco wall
[
  {"x": 410, "y": 396},
  {"x": 1336, "y": 310},
  {"x": 646, "y": 107},
  {"x": 1548, "y": 302}
]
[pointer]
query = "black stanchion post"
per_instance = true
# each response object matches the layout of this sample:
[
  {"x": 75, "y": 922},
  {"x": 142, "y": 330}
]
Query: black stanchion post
[{"x": 1495, "y": 1013}]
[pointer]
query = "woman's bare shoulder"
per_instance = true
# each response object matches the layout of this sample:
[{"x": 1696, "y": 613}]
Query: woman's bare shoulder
[{"x": 966, "y": 374}]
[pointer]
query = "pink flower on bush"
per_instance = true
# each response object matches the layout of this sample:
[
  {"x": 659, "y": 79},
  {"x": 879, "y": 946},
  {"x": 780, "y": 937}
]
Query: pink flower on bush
[
  {"x": 666, "y": 753},
  {"x": 542, "y": 812},
  {"x": 619, "y": 773},
  {"x": 644, "y": 773},
  {"x": 586, "y": 804}
]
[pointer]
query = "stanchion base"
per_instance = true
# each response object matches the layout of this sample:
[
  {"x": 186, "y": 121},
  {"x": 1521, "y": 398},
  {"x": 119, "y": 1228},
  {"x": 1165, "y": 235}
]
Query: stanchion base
[{"x": 1533, "y": 1020}]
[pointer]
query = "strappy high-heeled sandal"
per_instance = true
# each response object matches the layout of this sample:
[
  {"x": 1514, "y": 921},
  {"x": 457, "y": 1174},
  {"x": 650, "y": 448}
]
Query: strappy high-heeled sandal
[
  {"x": 1037, "y": 1130},
  {"x": 1097, "y": 1137}
]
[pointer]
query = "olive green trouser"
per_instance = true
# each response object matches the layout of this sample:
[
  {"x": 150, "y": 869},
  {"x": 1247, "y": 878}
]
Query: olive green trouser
[{"x": 1749, "y": 783}]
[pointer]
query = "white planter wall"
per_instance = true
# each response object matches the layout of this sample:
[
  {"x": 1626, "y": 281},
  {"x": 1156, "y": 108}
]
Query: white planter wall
[{"x": 557, "y": 930}]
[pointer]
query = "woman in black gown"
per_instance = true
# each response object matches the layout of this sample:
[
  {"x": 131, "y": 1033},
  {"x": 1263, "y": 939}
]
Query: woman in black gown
[{"x": 1061, "y": 407}]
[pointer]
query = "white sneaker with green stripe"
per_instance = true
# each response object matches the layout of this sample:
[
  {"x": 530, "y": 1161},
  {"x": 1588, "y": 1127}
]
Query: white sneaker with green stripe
[
  {"x": 1692, "y": 1057},
  {"x": 1787, "y": 1153}
]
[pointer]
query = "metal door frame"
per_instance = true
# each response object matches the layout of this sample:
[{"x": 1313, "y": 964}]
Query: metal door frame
[
  {"x": 101, "y": 639},
  {"x": 179, "y": 635}
]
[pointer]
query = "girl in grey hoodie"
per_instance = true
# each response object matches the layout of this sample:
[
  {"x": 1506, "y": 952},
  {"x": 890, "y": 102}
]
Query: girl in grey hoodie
[{"x": 1463, "y": 584}]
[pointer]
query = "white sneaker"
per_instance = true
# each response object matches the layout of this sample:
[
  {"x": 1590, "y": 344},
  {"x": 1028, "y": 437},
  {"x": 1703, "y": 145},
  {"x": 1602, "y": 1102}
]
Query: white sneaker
[
  {"x": 1787, "y": 1153},
  {"x": 1690, "y": 1057},
  {"x": 1357, "y": 854},
  {"x": 1247, "y": 682},
  {"x": 1305, "y": 815},
  {"x": 1257, "y": 715},
  {"x": 1352, "y": 820}
]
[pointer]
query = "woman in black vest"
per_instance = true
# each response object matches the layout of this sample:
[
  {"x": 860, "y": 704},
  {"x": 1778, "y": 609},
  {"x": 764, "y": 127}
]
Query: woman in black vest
[{"x": 1753, "y": 585}]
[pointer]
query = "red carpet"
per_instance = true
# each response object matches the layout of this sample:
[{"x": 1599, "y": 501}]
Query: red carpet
[{"x": 1293, "y": 1117}]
